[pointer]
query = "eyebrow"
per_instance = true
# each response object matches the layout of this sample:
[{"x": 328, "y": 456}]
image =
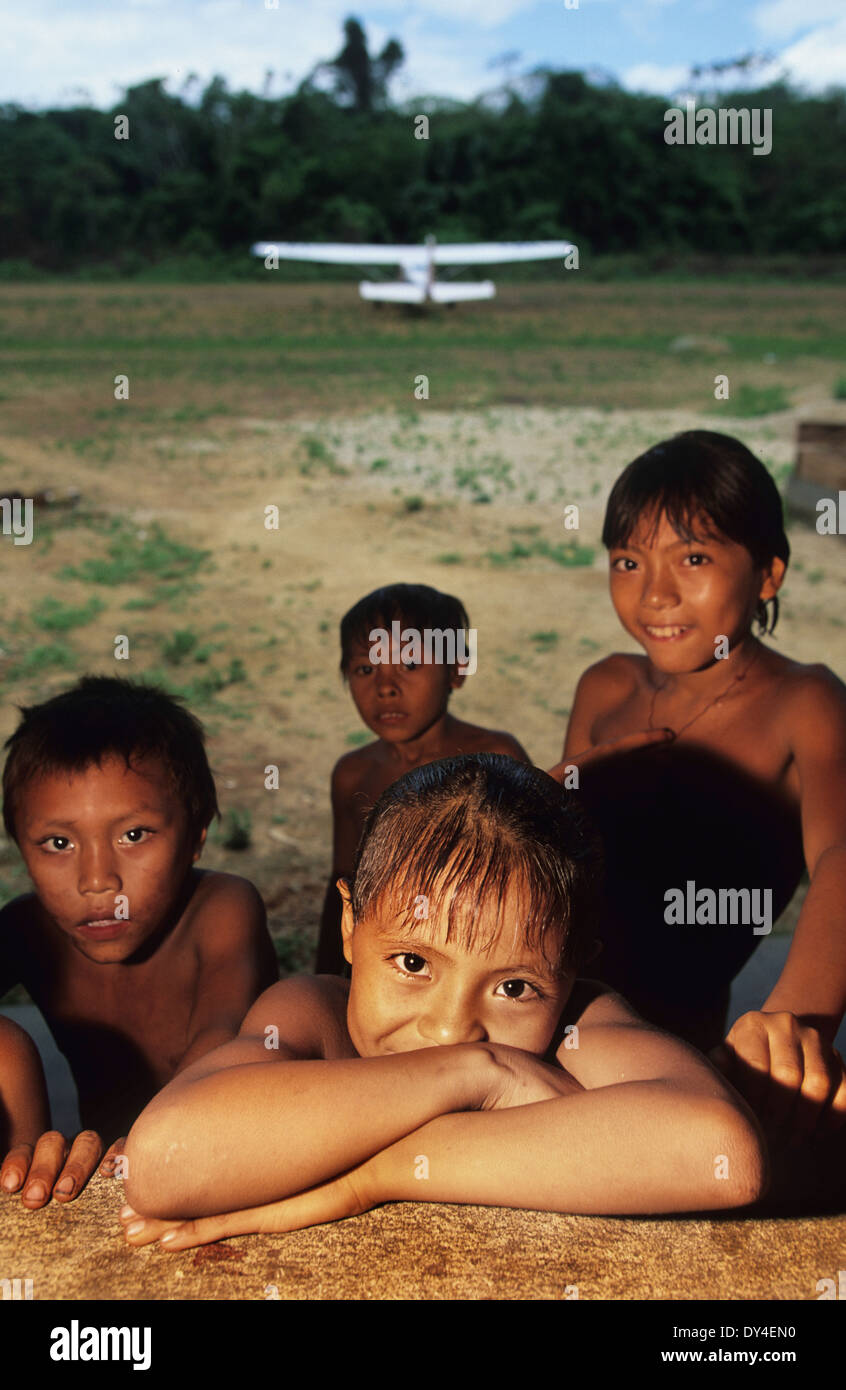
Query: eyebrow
[{"x": 128, "y": 815}]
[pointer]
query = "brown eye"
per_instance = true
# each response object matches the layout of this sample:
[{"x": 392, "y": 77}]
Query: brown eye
[
  {"x": 408, "y": 963},
  {"x": 518, "y": 989}
]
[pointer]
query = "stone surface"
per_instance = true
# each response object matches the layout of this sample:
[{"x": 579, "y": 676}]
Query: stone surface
[{"x": 425, "y": 1251}]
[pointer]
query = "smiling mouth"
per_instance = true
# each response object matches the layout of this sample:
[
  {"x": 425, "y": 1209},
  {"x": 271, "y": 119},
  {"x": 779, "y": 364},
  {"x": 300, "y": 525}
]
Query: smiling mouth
[
  {"x": 667, "y": 632},
  {"x": 391, "y": 716}
]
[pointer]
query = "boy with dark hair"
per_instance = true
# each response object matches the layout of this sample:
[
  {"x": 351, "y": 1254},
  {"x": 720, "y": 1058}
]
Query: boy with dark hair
[
  {"x": 139, "y": 962},
  {"x": 463, "y": 1051},
  {"x": 402, "y": 652}
]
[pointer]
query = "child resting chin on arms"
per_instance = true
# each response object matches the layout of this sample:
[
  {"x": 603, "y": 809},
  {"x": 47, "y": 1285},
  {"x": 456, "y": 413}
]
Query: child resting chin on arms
[{"x": 463, "y": 1035}]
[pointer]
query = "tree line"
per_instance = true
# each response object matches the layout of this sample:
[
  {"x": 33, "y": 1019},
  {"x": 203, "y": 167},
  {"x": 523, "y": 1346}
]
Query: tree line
[{"x": 563, "y": 154}]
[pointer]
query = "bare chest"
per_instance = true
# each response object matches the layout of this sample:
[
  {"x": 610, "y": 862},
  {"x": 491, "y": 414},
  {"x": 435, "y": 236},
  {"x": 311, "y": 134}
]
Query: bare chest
[{"x": 130, "y": 1018}]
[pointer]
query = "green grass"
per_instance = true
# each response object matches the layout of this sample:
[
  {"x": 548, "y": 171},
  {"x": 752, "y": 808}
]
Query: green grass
[
  {"x": 52, "y": 616},
  {"x": 569, "y": 553},
  {"x": 135, "y": 555},
  {"x": 315, "y": 456},
  {"x": 544, "y": 641},
  {"x": 359, "y": 737},
  {"x": 747, "y": 401},
  {"x": 45, "y": 658},
  {"x": 839, "y": 391}
]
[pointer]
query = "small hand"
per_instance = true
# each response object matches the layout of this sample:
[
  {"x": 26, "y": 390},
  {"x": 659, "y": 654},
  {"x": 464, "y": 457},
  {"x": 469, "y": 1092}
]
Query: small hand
[
  {"x": 49, "y": 1169},
  {"x": 642, "y": 739},
  {"x": 523, "y": 1079},
  {"x": 348, "y": 1195},
  {"x": 792, "y": 1078}
]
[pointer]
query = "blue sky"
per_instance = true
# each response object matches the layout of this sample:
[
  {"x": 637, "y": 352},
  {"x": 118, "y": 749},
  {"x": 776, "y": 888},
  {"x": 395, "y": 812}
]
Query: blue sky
[{"x": 53, "y": 51}]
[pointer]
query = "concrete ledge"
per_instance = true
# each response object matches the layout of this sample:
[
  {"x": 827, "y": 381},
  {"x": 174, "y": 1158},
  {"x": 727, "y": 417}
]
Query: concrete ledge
[{"x": 425, "y": 1251}]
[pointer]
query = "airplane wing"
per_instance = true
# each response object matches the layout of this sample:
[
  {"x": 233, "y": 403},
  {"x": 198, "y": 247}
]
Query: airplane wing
[
  {"x": 341, "y": 253},
  {"x": 496, "y": 252}
]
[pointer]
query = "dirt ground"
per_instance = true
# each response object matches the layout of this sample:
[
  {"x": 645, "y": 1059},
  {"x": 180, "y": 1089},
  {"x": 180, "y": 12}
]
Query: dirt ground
[
  {"x": 166, "y": 544},
  {"x": 270, "y": 599}
]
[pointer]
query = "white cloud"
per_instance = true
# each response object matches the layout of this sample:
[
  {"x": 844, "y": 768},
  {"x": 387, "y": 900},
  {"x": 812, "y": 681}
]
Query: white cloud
[
  {"x": 781, "y": 19},
  {"x": 651, "y": 77},
  {"x": 818, "y": 60},
  {"x": 54, "y": 53}
]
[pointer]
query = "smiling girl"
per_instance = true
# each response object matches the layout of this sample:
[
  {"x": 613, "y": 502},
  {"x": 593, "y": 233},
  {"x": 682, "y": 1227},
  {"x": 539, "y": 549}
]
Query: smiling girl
[
  {"x": 751, "y": 789},
  {"x": 463, "y": 1061}
]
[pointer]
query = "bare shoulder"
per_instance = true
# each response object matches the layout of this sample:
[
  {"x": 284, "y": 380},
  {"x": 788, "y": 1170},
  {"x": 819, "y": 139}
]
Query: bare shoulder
[
  {"x": 229, "y": 898},
  {"x": 473, "y": 738},
  {"x": 351, "y": 770},
  {"x": 812, "y": 703},
  {"x": 602, "y": 689},
  {"x": 305, "y": 1013},
  {"x": 609, "y": 1043},
  {"x": 612, "y": 678},
  {"x": 594, "y": 1004}
]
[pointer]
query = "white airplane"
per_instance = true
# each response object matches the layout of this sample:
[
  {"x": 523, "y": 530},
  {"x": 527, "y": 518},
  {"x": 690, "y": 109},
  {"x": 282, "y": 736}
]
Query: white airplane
[{"x": 417, "y": 264}]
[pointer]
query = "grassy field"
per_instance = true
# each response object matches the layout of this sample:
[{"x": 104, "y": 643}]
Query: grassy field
[{"x": 302, "y": 398}]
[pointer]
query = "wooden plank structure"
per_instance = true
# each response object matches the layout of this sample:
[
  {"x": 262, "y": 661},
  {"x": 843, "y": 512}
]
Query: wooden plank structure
[{"x": 820, "y": 466}]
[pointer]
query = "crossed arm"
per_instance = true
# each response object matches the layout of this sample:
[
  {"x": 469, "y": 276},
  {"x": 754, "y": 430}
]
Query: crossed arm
[{"x": 239, "y": 1143}]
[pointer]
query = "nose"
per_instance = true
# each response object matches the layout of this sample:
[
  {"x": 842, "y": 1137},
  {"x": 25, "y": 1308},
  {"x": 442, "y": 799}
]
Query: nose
[
  {"x": 387, "y": 682},
  {"x": 659, "y": 588},
  {"x": 97, "y": 870},
  {"x": 450, "y": 1018}
]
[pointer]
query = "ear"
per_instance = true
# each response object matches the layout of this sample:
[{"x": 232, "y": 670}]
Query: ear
[
  {"x": 200, "y": 842},
  {"x": 457, "y": 677},
  {"x": 773, "y": 578},
  {"x": 343, "y": 886}
]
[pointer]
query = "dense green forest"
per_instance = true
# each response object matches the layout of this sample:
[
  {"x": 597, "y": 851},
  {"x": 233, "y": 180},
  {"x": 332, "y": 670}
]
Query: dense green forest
[{"x": 202, "y": 175}]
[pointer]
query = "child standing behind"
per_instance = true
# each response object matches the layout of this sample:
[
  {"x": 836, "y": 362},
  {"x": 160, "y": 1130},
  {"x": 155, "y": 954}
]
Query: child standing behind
[
  {"x": 139, "y": 962},
  {"x": 751, "y": 788},
  {"x": 403, "y": 699}
]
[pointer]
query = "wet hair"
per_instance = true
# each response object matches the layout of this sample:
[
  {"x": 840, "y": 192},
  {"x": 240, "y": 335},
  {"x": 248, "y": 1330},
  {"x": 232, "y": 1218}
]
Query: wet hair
[
  {"x": 101, "y": 717},
  {"x": 473, "y": 826},
  {"x": 416, "y": 605},
  {"x": 702, "y": 474}
]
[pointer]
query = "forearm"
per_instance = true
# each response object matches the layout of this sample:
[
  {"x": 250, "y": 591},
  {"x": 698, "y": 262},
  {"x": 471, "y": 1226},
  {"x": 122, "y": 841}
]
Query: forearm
[
  {"x": 813, "y": 981},
  {"x": 631, "y": 1149},
  {"x": 252, "y": 1134},
  {"x": 24, "y": 1108}
]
